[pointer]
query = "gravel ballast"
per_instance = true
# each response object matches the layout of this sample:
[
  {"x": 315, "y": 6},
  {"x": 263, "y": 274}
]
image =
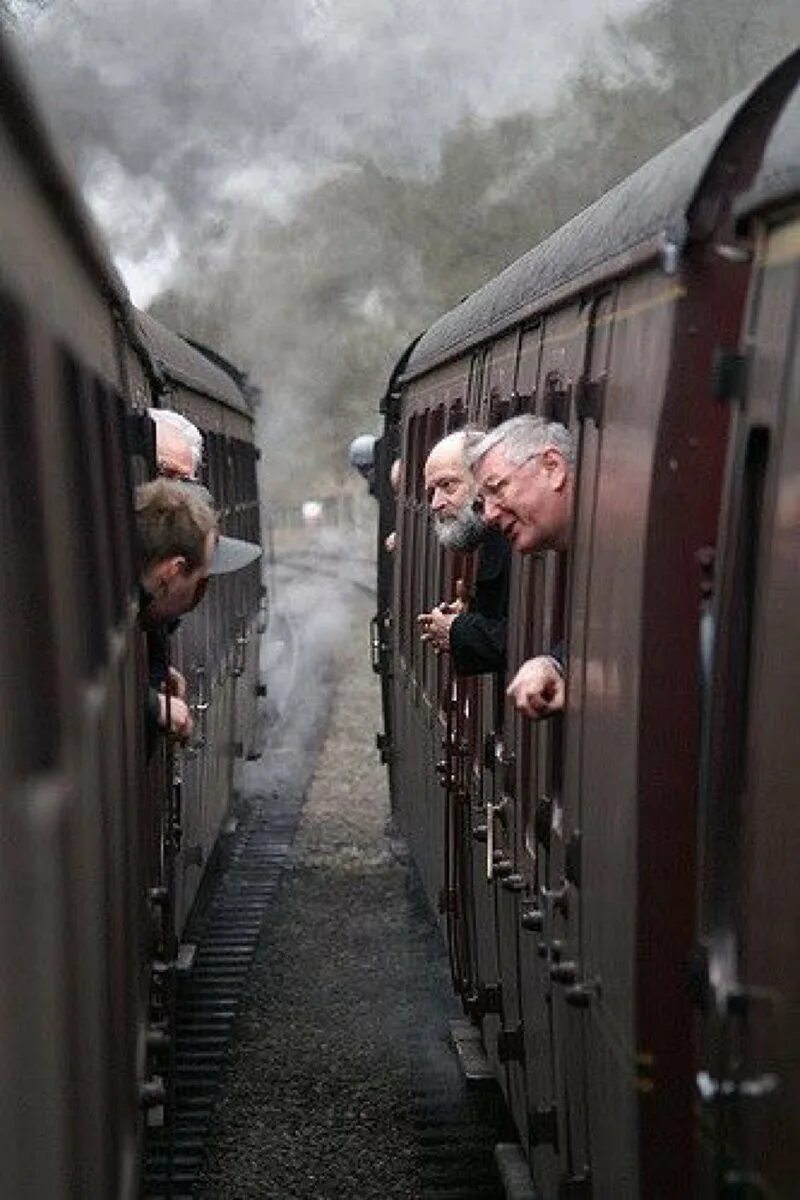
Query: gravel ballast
[{"x": 344, "y": 1022}]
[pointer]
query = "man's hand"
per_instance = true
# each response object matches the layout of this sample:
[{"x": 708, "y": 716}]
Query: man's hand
[
  {"x": 180, "y": 719},
  {"x": 537, "y": 689},
  {"x": 435, "y": 627},
  {"x": 176, "y": 684}
]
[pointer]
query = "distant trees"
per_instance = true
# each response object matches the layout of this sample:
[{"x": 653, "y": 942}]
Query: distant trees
[{"x": 319, "y": 307}]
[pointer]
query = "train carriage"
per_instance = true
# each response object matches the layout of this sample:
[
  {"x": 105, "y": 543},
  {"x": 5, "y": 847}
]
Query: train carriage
[
  {"x": 89, "y": 832},
  {"x": 746, "y": 967},
  {"x": 572, "y": 931},
  {"x": 74, "y": 976},
  {"x": 216, "y": 647}
]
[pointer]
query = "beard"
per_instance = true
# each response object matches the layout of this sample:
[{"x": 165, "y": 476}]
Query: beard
[{"x": 464, "y": 532}]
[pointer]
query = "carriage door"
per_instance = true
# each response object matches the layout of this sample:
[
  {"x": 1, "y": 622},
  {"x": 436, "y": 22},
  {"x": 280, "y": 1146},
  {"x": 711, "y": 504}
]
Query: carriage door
[
  {"x": 747, "y": 967},
  {"x": 501, "y": 880},
  {"x": 571, "y": 838}
]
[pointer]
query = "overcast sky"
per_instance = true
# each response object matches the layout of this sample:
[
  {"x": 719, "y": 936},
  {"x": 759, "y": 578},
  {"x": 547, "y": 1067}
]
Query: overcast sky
[{"x": 176, "y": 111}]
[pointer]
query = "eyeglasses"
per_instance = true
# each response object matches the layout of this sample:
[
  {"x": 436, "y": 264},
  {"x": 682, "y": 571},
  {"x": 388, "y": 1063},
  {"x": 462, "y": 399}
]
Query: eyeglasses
[{"x": 497, "y": 491}]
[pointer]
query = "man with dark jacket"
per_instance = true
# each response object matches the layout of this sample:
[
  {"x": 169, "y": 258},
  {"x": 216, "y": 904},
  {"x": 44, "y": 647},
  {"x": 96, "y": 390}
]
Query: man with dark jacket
[
  {"x": 177, "y": 529},
  {"x": 525, "y": 469},
  {"x": 472, "y": 629}
]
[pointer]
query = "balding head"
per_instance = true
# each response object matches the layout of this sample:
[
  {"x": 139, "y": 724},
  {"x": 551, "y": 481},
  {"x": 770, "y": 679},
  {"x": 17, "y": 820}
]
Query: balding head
[
  {"x": 179, "y": 445},
  {"x": 452, "y": 493}
]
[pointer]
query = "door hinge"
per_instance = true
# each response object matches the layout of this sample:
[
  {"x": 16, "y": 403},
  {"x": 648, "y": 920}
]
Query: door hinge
[
  {"x": 590, "y": 398},
  {"x": 543, "y": 820},
  {"x": 510, "y": 1045},
  {"x": 572, "y": 859},
  {"x": 576, "y": 1187},
  {"x": 544, "y": 1127},
  {"x": 488, "y": 999},
  {"x": 521, "y": 402},
  {"x": 556, "y": 398},
  {"x": 383, "y": 745},
  {"x": 729, "y": 375}
]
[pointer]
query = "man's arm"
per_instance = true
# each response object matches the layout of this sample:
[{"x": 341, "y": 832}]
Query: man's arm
[
  {"x": 435, "y": 627},
  {"x": 478, "y": 644},
  {"x": 538, "y": 688}
]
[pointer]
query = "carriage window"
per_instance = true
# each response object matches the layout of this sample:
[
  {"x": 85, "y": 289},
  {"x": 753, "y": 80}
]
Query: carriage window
[
  {"x": 88, "y": 516},
  {"x": 27, "y": 642},
  {"x": 107, "y": 413}
]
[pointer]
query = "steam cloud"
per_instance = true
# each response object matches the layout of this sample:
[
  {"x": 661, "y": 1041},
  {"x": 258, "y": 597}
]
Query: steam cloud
[{"x": 188, "y": 116}]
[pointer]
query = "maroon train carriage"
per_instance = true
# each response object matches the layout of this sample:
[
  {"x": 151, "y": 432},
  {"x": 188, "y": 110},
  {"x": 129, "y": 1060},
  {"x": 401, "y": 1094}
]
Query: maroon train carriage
[
  {"x": 217, "y": 646},
  {"x": 563, "y": 855},
  {"x": 74, "y": 979},
  {"x": 747, "y": 966},
  {"x": 83, "y": 836}
]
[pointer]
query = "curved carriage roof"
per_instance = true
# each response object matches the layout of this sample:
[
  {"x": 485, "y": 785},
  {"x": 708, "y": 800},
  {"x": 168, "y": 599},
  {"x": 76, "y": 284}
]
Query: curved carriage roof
[
  {"x": 29, "y": 133},
  {"x": 779, "y": 177},
  {"x": 182, "y": 364},
  {"x": 632, "y": 220}
]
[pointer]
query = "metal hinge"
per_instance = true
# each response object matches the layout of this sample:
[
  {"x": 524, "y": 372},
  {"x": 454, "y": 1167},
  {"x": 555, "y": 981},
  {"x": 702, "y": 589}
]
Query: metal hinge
[
  {"x": 521, "y": 402},
  {"x": 499, "y": 407},
  {"x": 543, "y": 820},
  {"x": 383, "y": 745},
  {"x": 572, "y": 859},
  {"x": 729, "y": 375},
  {"x": 544, "y": 1127},
  {"x": 590, "y": 397},
  {"x": 555, "y": 400},
  {"x": 576, "y": 1187},
  {"x": 511, "y": 1045},
  {"x": 488, "y": 999}
]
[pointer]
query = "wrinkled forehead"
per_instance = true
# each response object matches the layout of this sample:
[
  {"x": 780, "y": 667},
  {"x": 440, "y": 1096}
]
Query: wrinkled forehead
[
  {"x": 446, "y": 465},
  {"x": 493, "y": 464}
]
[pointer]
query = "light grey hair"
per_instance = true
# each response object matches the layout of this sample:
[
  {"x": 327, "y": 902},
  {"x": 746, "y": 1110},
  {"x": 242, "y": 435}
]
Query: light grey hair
[
  {"x": 472, "y": 439},
  {"x": 522, "y": 437},
  {"x": 469, "y": 437},
  {"x": 183, "y": 426}
]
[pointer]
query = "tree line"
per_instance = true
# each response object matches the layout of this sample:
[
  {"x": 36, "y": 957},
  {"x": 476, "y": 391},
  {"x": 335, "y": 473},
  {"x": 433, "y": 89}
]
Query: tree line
[{"x": 319, "y": 306}]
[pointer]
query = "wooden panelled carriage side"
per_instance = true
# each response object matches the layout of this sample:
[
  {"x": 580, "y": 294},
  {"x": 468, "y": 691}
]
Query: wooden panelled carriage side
[
  {"x": 84, "y": 823},
  {"x": 216, "y": 646},
  {"x": 72, "y": 940},
  {"x": 747, "y": 957},
  {"x": 563, "y": 855}
]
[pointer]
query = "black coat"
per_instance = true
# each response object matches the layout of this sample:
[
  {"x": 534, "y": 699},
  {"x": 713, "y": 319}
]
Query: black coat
[
  {"x": 478, "y": 636},
  {"x": 157, "y": 639}
]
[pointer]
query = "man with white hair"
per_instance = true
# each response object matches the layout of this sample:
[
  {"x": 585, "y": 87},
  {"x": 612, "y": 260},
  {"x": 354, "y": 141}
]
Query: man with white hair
[
  {"x": 475, "y": 632},
  {"x": 179, "y": 454},
  {"x": 179, "y": 445},
  {"x": 525, "y": 471}
]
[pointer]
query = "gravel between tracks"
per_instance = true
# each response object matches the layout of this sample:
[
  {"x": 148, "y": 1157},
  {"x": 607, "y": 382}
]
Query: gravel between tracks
[{"x": 318, "y": 1093}]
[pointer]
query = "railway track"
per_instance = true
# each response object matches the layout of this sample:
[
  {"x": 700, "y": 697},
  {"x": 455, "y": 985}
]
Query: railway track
[
  {"x": 452, "y": 1128},
  {"x": 308, "y": 563}
]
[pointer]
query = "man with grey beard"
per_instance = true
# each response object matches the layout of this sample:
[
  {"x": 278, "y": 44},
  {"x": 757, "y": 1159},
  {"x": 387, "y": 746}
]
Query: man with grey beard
[{"x": 473, "y": 631}]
